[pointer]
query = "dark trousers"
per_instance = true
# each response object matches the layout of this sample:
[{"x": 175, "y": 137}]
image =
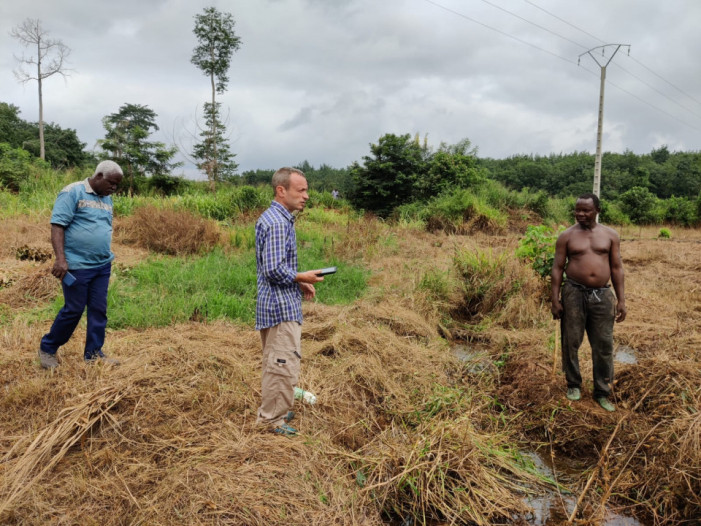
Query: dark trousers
[
  {"x": 593, "y": 311},
  {"x": 89, "y": 290}
]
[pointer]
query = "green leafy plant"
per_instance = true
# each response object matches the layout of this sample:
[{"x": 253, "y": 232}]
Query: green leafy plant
[
  {"x": 664, "y": 233},
  {"x": 538, "y": 247}
]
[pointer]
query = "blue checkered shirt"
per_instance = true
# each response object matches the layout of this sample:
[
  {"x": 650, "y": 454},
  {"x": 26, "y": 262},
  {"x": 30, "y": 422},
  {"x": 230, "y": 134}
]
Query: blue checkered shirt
[{"x": 279, "y": 296}]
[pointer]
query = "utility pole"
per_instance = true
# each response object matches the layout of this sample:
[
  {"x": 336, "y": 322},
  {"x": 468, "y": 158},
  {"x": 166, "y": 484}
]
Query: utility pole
[{"x": 597, "y": 162}]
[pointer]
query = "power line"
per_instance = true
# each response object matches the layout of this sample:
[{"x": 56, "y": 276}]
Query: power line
[
  {"x": 665, "y": 80},
  {"x": 658, "y": 91},
  {"x": 585, "y": 47},
  {"x": 532, "y": 23},
  {"x": 564, "y": 21},
  {"x": 504, "y": 33},
  {"x": 621, "y": 67},
  {"x": 499, "y": 31},
  {"x": 654, "y": 107}
]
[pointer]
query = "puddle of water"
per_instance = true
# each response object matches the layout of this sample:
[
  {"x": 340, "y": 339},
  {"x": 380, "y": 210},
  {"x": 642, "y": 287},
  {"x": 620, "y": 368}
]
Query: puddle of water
[
  {"x": 554, "y": 508},
  {"x": 476, "y": 360},
  {"x": 625, "y": 354}
]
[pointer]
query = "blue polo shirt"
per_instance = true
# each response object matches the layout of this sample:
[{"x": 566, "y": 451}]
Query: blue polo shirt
[{"x": 87, "y": 220}]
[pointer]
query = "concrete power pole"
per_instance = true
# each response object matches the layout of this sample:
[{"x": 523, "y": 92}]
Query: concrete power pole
[{"x": 597, "y": 162}]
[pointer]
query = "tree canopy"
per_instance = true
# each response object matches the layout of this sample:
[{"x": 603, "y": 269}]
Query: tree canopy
[
  {"x": 63, "y": 148},
  {"x": 126, "y": 142}
]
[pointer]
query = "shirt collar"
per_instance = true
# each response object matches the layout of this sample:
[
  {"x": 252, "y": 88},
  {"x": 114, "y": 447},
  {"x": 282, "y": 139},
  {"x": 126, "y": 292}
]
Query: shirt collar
[
  {"x": 282, "y": 210},
  {"x": 88, "y": 188}
]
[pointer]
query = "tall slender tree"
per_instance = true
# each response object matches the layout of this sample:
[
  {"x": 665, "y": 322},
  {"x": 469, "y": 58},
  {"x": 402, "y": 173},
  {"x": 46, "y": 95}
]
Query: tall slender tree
[
  {"x": 50, "y": 59},
  {"x": 217, "y": 42}
]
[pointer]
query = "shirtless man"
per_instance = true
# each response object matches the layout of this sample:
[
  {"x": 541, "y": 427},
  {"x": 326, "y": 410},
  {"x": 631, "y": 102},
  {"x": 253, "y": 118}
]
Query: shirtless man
[{"x": 592, "y": 254}]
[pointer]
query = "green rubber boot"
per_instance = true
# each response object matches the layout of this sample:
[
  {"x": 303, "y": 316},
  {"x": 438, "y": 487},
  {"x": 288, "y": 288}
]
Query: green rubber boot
[
  {"x": 604, "y": 402},
  {"x": 573, "y": 393}
]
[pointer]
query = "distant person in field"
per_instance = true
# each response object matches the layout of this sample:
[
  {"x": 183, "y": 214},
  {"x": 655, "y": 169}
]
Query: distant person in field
[
  {"x": 81, "y": 236},
  {"x": 279, "y": 299},
  {"x": 334, "y": 193},
  {"x": 590, "y": 254}
]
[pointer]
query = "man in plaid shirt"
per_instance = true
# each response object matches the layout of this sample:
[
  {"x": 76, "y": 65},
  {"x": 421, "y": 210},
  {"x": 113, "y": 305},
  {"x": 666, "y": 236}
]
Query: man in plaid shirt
[{"x": 279, "y": 301}]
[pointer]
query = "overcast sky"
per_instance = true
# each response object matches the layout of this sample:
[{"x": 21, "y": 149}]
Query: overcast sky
[{"x": 319, "y": 80}]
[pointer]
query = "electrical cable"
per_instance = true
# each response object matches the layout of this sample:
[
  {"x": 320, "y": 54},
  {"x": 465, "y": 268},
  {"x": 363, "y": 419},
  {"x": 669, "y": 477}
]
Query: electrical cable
[{"x": 462, "y": 15}]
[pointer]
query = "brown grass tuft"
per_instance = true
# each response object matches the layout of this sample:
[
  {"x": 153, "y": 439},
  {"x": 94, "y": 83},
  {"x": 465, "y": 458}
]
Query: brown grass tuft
[
  {"x": 168, "y": 231},
  {"x": 31, "y": 289}
]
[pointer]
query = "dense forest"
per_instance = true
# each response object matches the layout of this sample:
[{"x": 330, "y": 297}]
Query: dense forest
[{"x": 400, "y": 175}]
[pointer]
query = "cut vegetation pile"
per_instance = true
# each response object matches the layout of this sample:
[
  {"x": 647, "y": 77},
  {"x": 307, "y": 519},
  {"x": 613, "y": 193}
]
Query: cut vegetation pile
[
  {"x": 31, "y": 289},
  {"x": 403, "y": 430},
  {"x": 169, "y": 437},
  {"x": 168, "y": 231}
]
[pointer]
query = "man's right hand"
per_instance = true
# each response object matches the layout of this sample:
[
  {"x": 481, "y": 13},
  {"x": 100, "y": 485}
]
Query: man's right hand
[
  {"x": 556, "y": 309},
  {"x": 60, "y": 268},
  {"x": 310, "y": 276}
]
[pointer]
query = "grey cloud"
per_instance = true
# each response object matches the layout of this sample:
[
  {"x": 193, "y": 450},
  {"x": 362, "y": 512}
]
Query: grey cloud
[{"x": 345, "y": 72}]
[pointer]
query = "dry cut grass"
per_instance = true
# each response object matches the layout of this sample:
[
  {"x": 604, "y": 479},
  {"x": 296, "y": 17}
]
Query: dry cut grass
[
  {"x": 169, "y": 437},
  {"x": 401, "y": 427},
  {"x": 168, "y": 231}
]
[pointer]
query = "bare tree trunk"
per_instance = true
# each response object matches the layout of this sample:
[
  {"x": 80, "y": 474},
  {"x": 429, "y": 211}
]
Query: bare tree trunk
[
  {"x": 50, "y": 58},
  {"x": 42, "y": 153},
  {"x": 215, "y": 160}
]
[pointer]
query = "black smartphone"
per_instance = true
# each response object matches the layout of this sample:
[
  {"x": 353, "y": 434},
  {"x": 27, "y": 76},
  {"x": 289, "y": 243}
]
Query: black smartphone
[{"x": 326, "y": 271}]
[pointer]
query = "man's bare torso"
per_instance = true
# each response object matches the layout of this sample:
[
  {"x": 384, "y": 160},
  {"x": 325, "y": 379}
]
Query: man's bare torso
[{"x": 588, "y": 254}]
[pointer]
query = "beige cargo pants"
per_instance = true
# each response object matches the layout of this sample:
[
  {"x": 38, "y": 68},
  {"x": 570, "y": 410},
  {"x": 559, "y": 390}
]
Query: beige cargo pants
[{"x": 281, "y": 366}]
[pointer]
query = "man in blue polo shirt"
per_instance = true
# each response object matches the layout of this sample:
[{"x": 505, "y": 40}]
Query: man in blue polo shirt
[
  {"x": 279, "y": 300},
  {"x": 81, "y": 236}
]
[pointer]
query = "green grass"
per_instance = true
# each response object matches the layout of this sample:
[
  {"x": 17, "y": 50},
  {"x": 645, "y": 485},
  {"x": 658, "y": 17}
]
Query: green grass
[{"x": 164, "y": 290}]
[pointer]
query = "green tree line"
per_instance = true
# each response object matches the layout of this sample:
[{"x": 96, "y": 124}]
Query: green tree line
[{"x": 400, "y": 171}]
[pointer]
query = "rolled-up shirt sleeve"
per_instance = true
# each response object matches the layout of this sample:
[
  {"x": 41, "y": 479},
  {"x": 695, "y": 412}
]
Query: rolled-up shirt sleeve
[{"x": 274, "y": 260}]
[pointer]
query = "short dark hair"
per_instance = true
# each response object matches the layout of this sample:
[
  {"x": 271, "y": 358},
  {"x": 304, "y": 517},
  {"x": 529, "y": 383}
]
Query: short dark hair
[{"x": 593, "y": 197}]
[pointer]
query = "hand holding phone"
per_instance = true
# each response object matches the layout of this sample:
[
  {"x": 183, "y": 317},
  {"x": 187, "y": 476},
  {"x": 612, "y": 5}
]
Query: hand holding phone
[
  {"x": 68, "y": 279},
  {"x": 326, "y": 271}
]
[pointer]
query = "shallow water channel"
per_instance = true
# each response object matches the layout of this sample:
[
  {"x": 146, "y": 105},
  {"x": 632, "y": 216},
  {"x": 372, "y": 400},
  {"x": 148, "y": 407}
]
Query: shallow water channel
[{"x": 552, "y": 507}]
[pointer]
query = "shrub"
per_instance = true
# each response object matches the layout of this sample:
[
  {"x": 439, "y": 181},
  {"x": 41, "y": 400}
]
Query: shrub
[
  {"x": 217, "y": 206},
  {"x": 539, "y": 203},
  {"x": 326, "y": 200},
  {"x": 664, "y": 233},
  {"x": 537, "y": 246},
  {"x": 498, "y": 196},
  {"x": 461, "y": 212},
  {"x": 15, "y": 166},
  {"x": 410, "y": 212},
  {"x": 639, "y": 204},
  {"x": 612, "y": 214},
  {"x": 679, "y": 211},
  {"x": 166, "y": 184},
  {"x": 560, "y": 210},
  {"x": 437, "y": 285}
]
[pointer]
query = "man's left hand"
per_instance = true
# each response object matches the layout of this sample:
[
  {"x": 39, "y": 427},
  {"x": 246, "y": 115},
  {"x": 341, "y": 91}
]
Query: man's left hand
[
  {"x": 308, "y": 290},
  {"x": 621, "y": 311}
]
